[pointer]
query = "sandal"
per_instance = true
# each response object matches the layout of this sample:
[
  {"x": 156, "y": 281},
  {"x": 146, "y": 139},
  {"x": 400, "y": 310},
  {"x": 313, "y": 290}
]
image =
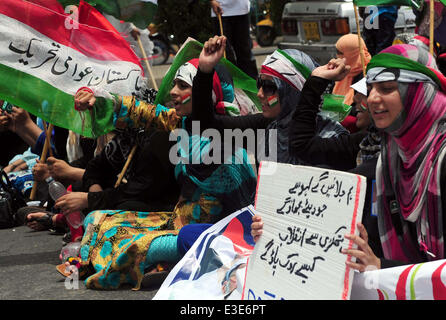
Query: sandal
[
  {"x": 79, "y": 267},
  {"x": 45, "y": 221}
]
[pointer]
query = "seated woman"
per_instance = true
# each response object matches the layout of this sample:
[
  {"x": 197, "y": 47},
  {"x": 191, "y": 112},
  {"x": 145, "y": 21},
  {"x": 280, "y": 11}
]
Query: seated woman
[
  {"x": 407, "y": 104},
  {"x": 71, "y": 173},
  {"x": 119, "y": 246},
  {"x": 356, "y": 153},
  {"x": 347, "y": 47},
  {"x": 136, "y": 122},
  {"x": 281, "y": 79}
]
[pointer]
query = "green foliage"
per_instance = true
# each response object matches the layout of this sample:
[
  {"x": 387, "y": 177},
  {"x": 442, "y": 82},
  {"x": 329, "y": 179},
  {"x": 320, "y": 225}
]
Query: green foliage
[{"x": 185, "y": 19}]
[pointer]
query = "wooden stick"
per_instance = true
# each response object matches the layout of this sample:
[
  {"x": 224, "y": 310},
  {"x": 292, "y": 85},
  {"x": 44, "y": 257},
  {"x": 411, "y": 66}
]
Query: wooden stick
[
  {"x": 46, "y": 146},
  {"x": 127, "y": 163},
  {"x": 361, "y": 49},
  {"x": 146, "y": 60},
  {"x": 221, "y": 31},
  {"x": 48, "y": 137},
  {"x": 431, "y": 26}
]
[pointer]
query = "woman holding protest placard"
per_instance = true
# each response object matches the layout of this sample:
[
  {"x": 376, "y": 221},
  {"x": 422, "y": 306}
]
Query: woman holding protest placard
[
  {"x": 407, "y": 104},
  {"x": 281, "y": 79},
  {"x": 357, "y": 152}
]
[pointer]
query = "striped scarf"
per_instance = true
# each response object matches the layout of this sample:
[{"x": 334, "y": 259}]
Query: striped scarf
[
  {"x": 290, "y": 69},
  {"x": 409, "y": 168}
]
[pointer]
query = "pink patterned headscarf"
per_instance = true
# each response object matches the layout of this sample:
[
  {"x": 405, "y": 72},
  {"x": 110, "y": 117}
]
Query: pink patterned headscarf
[{"x": 409, "y": 169}]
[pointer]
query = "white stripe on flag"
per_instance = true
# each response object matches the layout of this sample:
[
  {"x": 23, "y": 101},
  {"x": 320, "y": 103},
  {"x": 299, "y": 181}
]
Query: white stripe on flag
[{"x": 67, "y": 69}]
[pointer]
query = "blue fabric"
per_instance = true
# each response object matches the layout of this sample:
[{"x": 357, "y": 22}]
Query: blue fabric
[
  {"x": 22, "y": 181},
  {"x": 391, "y": 12},
  {"x": 188, "y": 235},
  {"x": 38, "y": 147},
  {"x": 163, "y": 248},
  {"x": 233, "y": 182},
  {"x": 228, "y": 92},
  {"x": 28, "y": 157}
]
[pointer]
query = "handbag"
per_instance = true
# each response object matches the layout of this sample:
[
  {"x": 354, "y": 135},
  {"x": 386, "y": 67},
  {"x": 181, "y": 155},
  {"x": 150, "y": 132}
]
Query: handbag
[{"x": 11, "y": 200}]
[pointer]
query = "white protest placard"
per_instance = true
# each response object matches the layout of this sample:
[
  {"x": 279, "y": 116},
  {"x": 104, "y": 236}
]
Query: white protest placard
[{"x": 306, "y": 213}]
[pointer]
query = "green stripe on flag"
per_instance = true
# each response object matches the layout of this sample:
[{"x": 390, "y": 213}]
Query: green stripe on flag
[
  {"x": 302, "y": 68},
  {"x": 192, "y": 50},
  {"x": 411, "y": 3},
  {"x": 412, "y": 282},
  {"x": 334, "y": 107},
  {"x": 53, "y": 105},
  {"x": 390, "y": 60}
]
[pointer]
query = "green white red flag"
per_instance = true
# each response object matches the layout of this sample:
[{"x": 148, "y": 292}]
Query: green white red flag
[
  {"x": 46, "y": 56},
  {"x": 411, "y": 3}
]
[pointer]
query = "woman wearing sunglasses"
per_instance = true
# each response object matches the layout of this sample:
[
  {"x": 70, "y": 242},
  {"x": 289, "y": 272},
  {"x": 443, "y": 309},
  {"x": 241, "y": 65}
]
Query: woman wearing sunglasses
[
  {"x": 281, "y": 79},
  {"x": 357, "y": 152}
]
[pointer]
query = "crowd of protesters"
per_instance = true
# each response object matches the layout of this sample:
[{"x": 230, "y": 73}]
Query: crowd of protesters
[{"x": 395, "y": 136}]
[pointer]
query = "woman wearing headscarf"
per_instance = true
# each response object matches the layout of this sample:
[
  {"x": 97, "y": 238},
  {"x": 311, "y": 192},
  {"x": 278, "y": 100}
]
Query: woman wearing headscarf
[
  {"x": 357, "y": 152},
  {"x": 281, "y": 79},
  {"x": 136, "y": 121},
  {"x": 348, "y": 47},
  {"x": 407, "y": 103},
  {"x": 280, "y": 82},
  {"x": 120, "y": 246}
]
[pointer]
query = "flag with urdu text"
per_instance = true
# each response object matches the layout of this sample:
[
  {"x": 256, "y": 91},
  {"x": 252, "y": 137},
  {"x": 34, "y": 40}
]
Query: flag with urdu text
[
  {"x": 140, "y": 12},
  {"x": 46, "y": 56},
  {"x": 411, "y": 3}
]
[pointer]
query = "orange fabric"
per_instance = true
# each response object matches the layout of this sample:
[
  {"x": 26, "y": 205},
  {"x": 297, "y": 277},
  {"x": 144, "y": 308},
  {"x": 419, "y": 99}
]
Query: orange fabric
[{"x": 349, "y": 46}]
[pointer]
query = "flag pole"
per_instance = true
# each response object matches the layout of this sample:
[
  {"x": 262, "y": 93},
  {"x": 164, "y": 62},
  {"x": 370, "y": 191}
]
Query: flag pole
[
  {"x": 431, "y": 26},
  {"x": 48, "y": 137},
  {"x": 146, "y": 60},
  {"x": 127, "y": 163},
  {"x": 46, "y": 147},
  {"x": 361, "y": 49},
  {"x": 221, "y": 30}
]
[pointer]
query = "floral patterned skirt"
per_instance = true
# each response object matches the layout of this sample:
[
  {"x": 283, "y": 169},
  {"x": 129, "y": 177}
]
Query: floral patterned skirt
[{"x": 115, "y": 244}]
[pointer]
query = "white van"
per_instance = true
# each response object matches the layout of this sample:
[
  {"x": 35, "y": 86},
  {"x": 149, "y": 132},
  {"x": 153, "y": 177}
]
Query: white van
[{"x": 314, "y": 26}]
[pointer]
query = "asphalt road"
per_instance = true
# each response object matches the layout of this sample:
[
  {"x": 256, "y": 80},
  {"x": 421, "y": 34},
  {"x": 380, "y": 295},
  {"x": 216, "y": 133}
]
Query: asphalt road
[{"x": 28, "y": 262}]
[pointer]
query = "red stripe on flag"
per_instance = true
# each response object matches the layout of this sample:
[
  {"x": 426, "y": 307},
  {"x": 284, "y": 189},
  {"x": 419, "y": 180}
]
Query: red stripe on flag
[
  {"x": 400, "y": 290},
  {"x": 438, "y": 287},
  {"x": 91, "y": 41},
  {"x": 380, "y": 294},
  {"x": 350, "y": 245},
  {"x": 235, "y": 232},
  {"x": 258, "y": 183}
]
